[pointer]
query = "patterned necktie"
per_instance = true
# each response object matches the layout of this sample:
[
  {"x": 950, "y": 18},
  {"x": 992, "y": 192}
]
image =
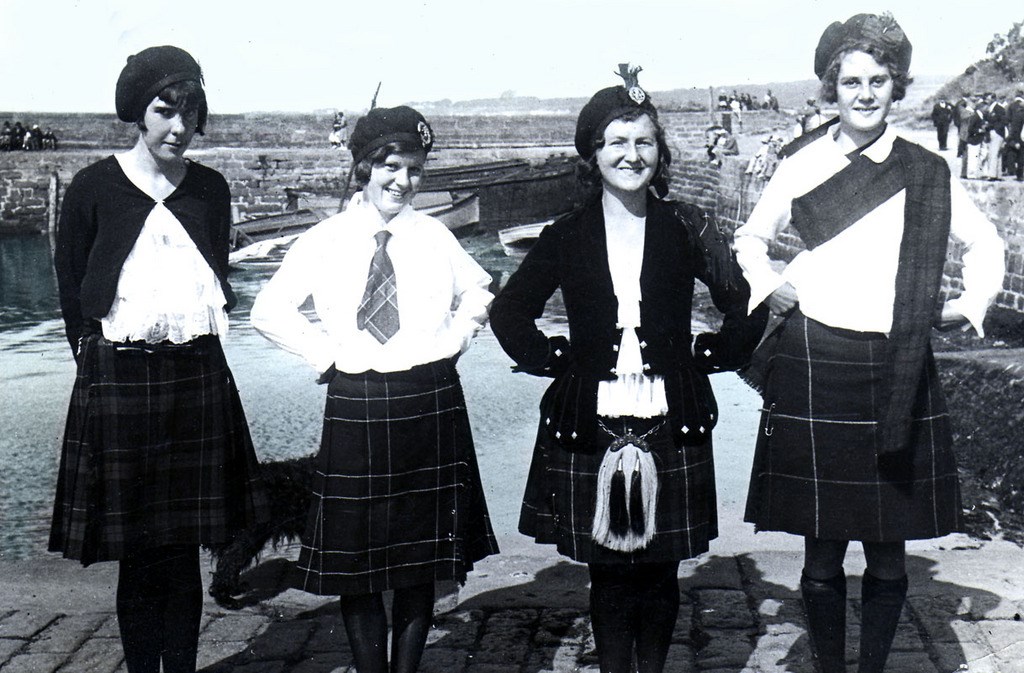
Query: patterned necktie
[{"x": 378, "y": 312}]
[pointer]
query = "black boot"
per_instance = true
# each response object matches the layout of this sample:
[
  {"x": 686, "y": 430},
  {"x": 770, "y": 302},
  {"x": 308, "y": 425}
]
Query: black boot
[
  {"x": 825, "y": 605},
  {"x": 881, "y": 605}
]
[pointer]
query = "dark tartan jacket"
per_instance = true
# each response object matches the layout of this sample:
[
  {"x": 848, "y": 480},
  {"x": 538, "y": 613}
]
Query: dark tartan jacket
[{"x": 681, "y": 244}]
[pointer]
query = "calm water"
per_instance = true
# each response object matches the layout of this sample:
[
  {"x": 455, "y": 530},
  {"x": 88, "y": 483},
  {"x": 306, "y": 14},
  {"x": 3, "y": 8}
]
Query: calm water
[{"x": 283, "y": 404}]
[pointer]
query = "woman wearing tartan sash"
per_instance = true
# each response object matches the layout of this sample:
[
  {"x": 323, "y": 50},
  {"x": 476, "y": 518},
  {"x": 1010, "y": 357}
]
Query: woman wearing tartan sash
[{"x": 854, "y": 442}]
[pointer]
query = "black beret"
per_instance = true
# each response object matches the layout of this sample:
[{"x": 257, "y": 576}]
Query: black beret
[
  {"x": 881, "y": 32},
  {"x": 147, "y": 73},
  {"x": 381, "y": 126},
  {"x": 605, "y": 106}
]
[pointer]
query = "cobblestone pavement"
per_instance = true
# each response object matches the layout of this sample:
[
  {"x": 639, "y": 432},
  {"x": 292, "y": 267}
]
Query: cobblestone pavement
[{"x": 526, "y": 613}]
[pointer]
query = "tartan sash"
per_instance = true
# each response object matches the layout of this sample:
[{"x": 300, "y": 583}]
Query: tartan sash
[{"x": 842, "y": 200}]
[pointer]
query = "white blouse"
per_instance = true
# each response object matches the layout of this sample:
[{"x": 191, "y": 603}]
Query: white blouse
[
  {"x": 166, "y": 290},
  {"x": 631, "y": 393},
  {"x": 442, "y": 293},
  {"x": 850, "y": 281}
]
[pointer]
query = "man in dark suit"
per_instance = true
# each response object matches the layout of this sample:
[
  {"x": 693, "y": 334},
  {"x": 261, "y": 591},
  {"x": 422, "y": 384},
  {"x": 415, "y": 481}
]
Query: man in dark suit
[
  {"x": 1014, "y": 151},
  {"x": 942, "y": 115},
  {"x": 962, "y": 112}
]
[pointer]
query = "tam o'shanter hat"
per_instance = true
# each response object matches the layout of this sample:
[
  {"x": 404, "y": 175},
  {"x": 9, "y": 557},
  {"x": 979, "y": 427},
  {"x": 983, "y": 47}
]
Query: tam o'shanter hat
[
  {"x": 147, "y": 73},
  {"x": 880, "y": 31},
  {"x": 608, "y": 104},
  {"x": 381, "y": 126}
]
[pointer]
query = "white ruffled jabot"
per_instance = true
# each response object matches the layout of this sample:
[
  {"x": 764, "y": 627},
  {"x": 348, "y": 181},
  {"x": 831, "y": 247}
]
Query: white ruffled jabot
[{"x": 166, "y": 290}]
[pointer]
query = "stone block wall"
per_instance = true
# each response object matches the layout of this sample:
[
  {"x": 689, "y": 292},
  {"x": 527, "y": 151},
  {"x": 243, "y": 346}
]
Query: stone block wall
[{"x": 260, "y": 173}]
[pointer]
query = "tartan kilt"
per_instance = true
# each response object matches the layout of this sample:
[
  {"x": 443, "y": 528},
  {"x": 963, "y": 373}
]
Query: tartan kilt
[
  {"x": 561, "y": 494},
  {"x": 397, "y": 496},
  {"x": 816, "y": 469},
  {"x": 156, "y": 452}
]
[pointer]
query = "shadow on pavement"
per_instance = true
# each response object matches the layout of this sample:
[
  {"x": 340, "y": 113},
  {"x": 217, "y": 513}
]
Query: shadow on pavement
[{"x": 732, "y": 619}]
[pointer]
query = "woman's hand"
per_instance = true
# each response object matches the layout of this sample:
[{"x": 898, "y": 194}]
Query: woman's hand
[
  {"x": 950, "y": 319},
  {"x": 783, "y": 300}
]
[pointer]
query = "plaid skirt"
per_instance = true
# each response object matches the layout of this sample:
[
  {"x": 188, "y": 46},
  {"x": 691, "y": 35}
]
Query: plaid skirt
[
  {"x": 156, "y": 451},
  {"x": 561, "y": 494},
  {"x": 397, "y": 497},
  {"x": 816, "y": 470}
]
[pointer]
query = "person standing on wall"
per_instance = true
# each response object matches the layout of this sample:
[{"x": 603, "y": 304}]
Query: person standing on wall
[
  {"x": 854, "y": 441},
  {"x": 157, "y": 458}
]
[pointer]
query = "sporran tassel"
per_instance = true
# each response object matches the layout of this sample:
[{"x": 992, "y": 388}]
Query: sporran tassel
[
  {"x": 637, "y": 522},
  {"x": 619, "y": 524},
  {"x": 625, "y": 509}
]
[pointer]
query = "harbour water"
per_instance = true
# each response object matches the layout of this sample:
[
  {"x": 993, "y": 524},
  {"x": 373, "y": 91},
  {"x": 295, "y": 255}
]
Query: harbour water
[{"x": 282, "y": 401}]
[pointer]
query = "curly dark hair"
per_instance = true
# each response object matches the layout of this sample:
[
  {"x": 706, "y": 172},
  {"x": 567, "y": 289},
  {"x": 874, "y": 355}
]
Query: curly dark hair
[
  {"x": 361, "y": 171},
  {"x": 589, "y": 175},
  {"x": 900, "y": 78}
]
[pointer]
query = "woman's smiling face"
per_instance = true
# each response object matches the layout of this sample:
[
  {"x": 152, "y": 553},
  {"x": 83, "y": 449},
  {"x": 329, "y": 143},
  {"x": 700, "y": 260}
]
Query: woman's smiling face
[
  {"x": 628, "y": 159},
  {"x": 394, "y": 182},
  {"x": 864, "y": 95}
]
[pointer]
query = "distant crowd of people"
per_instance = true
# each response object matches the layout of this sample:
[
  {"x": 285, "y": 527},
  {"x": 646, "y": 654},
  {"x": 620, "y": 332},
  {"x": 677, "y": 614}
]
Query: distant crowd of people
[
  {"x": 990, "y": 134},
  {"x": 19, "y": 137},
  {"x": 737, "y": 102}
]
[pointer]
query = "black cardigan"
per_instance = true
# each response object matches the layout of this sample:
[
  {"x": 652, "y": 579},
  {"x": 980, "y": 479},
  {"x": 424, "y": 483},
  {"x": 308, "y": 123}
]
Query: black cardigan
[
  {"x": 681, "y": 244},
  {"x": 101, "y": 217}
]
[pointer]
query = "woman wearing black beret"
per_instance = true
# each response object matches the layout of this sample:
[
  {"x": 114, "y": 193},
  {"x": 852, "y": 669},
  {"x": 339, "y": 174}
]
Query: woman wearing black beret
[
  {"x": 157, "y": 458},
  {"x": 398, "y": 502},
  {"x": 622, "y": 475},
  {"x": 855, "y": 440}
]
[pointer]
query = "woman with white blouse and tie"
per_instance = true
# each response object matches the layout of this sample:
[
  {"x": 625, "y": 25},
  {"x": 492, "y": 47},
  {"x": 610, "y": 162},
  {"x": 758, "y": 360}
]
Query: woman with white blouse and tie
[{"x": 398, "y": 503}]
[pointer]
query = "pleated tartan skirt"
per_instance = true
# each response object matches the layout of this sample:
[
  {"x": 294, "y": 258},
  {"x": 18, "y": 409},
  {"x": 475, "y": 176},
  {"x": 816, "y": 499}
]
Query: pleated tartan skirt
[
  {"x": 156, "y": 451},
  {"x": 397, "y": 496},
  {"x": 561, "y": 495},
  {"x": 816, "y": 469}
]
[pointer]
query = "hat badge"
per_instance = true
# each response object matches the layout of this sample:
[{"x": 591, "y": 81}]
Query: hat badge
[
  {"x": 637, "y": 95},
  {"x": 629, "y": 74},
  {"x": 426, "y": 137}
]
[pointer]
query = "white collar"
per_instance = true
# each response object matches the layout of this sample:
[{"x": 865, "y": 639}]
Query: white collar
[{"x": 878, "y": 151}]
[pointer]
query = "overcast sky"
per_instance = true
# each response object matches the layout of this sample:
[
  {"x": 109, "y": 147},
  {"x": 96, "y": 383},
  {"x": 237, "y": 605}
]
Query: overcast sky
[{"x": 302, "y": 55}]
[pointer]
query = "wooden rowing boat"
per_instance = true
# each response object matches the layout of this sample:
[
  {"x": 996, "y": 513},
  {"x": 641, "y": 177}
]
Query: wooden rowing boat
[{"x": 518, "y": 240}]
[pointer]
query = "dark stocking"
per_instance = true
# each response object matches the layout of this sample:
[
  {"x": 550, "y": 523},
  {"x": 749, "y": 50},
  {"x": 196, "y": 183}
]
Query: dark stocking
[
  {"x": 629, "y": 604},
  {"x": 412, "y": 613},
  {"x": 656, "y": 619},
  {"x": 366, "y": 624},
  {"x": 825, "y": 604},
  {"x": 612, "y": 616},
  {"x": 159, "y": 607},
  {"x": 881, "y": 605}
]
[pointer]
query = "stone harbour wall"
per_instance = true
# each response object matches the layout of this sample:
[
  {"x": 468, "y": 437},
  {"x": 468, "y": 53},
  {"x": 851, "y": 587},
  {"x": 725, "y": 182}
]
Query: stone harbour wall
[{"x": 265, "y": 156}]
